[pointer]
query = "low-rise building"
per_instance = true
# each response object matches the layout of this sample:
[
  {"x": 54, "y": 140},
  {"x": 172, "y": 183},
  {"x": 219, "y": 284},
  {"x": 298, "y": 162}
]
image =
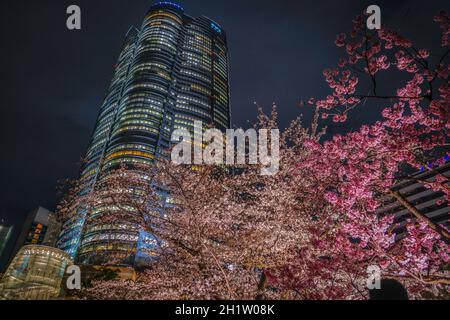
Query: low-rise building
[{"x": 35, "y": 273}]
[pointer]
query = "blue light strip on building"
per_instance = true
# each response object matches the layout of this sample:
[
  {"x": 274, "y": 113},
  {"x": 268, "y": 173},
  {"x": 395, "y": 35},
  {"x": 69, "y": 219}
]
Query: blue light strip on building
[
  {"x": 215, "y": 27},
  {"x": 167, "y": 3}
]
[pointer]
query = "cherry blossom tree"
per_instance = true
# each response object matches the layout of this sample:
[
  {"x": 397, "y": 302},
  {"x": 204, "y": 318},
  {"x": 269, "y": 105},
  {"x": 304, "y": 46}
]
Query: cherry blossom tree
[
  {"x": 227, "y": 225},
  {"x": 357, "y": 170},
  {"x": 311, "y": 230}
]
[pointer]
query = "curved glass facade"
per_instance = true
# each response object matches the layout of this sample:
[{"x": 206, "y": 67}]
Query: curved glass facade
[
  {"x": 172, "y": 71},
  {"x": 35, "y": 273}
]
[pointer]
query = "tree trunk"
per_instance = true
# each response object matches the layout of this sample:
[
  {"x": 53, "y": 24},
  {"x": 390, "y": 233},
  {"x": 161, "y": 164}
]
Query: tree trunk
[{"x": 261, "y": 287}]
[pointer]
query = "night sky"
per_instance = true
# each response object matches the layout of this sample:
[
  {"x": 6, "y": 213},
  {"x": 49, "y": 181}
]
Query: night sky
[{"x": 53, "y": 80}]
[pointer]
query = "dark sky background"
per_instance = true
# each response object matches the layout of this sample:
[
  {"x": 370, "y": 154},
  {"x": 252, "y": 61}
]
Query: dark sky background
[{"x": 53, "y": 80}]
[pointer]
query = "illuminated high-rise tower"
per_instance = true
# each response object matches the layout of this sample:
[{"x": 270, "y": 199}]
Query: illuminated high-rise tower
[{"x": 172, "y": 71}]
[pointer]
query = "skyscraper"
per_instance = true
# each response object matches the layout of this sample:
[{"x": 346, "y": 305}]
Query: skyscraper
[
  {"x": 40, "y": 227},
  {"x": 172, "y": 71}
]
